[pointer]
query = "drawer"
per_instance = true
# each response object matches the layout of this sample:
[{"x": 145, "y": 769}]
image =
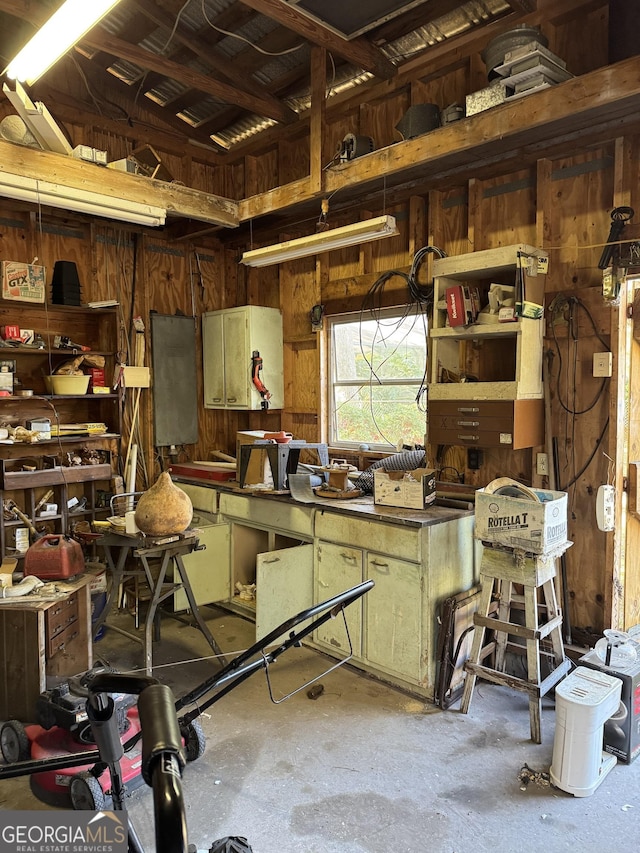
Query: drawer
[
  {"x": 393, "y": 539},
  {"x": 269, "y": 514},
  {"x": 60, "y": 615},
  {"x": 202, "y": 498},
  {"x": 62, "y": 638},
  {"x": 487, "y": 423}
]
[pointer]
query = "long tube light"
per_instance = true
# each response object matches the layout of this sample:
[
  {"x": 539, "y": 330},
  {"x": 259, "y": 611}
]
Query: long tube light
[
  {"x": 324, "y": 241},
  {"x": 65, "y": 27},
  {"x": 69, "y": 198}
]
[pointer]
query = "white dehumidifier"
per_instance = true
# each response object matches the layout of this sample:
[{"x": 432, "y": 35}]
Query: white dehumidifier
[{"x": 584, "y": 702}]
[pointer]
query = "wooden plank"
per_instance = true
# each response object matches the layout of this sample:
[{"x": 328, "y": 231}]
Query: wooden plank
[
  {"x": 318, "y": 113},
  {"x": 511, "y": 130},
  {"x": 69, "y": 172},
  {"x": 22, "y": 674}
]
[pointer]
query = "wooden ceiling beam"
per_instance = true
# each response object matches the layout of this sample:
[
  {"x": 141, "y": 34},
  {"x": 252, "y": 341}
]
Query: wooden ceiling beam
[
  {"x": 100, "y": 39},
  {"x": 129, "y": 95},
  {"x": 524, "y": 6},
  {"x": 69, "y": 110},
  {"x": 202, "y": 48},
  {"x": 420, "y": 16},
  {"x": 358, "y": 51},
  {"x": 138, "y": 29},
  {"x": 176, "y": 199},
  {"x": 269, "y": 106}
]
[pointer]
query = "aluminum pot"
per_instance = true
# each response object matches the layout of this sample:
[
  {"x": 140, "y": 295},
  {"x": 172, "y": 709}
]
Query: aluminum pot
[{"x": 494, "y": 53}]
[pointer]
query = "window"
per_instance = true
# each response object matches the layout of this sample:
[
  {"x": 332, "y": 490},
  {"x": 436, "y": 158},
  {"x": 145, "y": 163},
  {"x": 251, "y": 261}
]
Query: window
[{"x": 377, "y": 378}]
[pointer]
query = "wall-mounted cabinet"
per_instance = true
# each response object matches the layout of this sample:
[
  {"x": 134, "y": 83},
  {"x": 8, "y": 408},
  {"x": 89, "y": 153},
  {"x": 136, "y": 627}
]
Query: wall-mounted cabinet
[
  {"x": 487, "y": 361},
  {"x": 232, "y": 340}
]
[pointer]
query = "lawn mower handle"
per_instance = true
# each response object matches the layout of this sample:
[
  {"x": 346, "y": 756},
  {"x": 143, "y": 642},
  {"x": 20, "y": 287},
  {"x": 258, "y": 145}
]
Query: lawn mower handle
[{"x": 163, "y": 756}]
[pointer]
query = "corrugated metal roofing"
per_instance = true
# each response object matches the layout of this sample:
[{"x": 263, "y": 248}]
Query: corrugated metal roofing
[{"x": 191, "y": 19}]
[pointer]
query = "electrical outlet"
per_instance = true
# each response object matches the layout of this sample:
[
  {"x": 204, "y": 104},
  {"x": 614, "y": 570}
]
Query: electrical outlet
[
  {"x": 542, "y": 464},
  {"x": 605, "y": 508},
  {"x": 602, "y": 363}
]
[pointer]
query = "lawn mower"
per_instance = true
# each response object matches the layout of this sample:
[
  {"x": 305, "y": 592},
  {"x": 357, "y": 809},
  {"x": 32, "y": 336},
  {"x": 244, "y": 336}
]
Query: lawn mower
[
  {"x": 165, "y": 748},
  {"x": 62, "y": 727}
]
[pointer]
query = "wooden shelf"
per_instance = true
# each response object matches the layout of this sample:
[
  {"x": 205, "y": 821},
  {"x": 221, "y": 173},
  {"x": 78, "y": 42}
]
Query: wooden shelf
[{"x": 486, "y": 361}]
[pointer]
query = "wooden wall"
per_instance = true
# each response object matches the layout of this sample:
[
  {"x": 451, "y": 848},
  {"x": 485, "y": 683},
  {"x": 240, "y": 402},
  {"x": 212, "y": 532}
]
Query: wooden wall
[{"x": 561, "y": 204}]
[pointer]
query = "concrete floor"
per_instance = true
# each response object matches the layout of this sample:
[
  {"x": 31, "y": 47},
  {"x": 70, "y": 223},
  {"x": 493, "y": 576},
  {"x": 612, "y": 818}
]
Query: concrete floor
[{"x": 364, "y": 768}]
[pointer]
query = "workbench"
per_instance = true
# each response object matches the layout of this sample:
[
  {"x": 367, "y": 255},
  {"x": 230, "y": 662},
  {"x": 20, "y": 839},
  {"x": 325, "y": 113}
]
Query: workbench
[
  {"x": 299, "y": 554},
  {"x": 118, "y": 549}
]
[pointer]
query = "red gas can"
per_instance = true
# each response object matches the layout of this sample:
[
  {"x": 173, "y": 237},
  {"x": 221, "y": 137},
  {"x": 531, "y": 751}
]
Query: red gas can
[{"x": 54, "y": 557}]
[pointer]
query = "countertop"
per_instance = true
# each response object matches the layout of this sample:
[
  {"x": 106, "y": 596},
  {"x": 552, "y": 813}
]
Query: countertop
[{"x": 360, "y": 507}]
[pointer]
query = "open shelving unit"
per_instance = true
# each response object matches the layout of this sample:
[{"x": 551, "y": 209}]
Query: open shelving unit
[
  {"x": 486, "y": 378},
  {"x": 29, "y": 471}
]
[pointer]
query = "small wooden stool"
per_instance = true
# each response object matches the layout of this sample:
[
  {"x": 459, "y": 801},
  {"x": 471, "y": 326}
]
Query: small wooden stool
[{"x": 500, "y": 569}]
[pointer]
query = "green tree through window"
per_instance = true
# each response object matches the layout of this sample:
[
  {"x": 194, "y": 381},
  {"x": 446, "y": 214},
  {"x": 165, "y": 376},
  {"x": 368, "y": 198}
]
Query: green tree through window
[{"x": 377, "y": 377}]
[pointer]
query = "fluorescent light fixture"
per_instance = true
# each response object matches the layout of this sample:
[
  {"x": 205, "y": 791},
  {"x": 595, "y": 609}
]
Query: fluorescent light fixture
[
  {"x": 58, "y": 35},
  {"x": 69, "y": 198},
  {"x": 324, "y": 241}
]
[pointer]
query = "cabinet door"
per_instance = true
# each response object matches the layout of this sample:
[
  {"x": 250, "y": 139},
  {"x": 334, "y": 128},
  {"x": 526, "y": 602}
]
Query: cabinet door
[
  {"x": 284, "y": 586},
  {"x": 237, "y": 360},
  {"x": 208, "y": 570},
  {"x": 213, "y": 360},
  {"x": 394, "y": 616},
  {"x": 339, "y": 568}
]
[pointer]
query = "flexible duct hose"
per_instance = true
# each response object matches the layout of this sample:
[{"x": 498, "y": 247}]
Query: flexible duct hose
[{"x": 25, "y": 586}]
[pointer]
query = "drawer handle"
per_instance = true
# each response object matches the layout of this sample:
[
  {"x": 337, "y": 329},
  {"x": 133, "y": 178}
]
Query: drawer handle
[
  {"x": 379, "y": 565},
  {"x": 468, "y": 423},
  {"x": 468, "y": 410},
  {"x": 232, "y": 399},
  {"x": 350, "y": 557},
  {"x": 216, "y": 399},
  {"x": 468, "y": 437}
]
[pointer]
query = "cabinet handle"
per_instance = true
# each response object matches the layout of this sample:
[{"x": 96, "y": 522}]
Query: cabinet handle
[
  {"x": 346, "y": 556},
  {"x": 468, "y": 423},
  {"x": 216, "y": 399},
  {"x": 272, "y": 560},
  {"x": 468, "y": 437},
  {"x": 232, "y": 399},
  {"x": 379, "y": 565},
  {"x": 468, "y": 410}
]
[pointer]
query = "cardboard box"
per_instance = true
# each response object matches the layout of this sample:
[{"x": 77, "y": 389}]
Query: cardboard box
[
  {"x": 23, "y": 282},
  {"x": 463, "y": 304},
  {"x": 414, "y": 489},
  {"x": 622, "y": 731},
  {"x": 538, "y": 528},
  {"x": 259, "y": 470},
  {"x": 96, "y": 375},
  {"x": 136, "y": 377},
  {"x": 10, "y": 333}
]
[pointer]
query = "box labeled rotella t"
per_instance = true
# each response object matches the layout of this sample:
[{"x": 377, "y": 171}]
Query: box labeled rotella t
[{"x": 535, "y": 522}]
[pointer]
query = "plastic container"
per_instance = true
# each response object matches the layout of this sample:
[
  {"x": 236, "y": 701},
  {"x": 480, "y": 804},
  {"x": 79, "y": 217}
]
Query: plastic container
[
  {"x": 584, "y": 702},
  {"x": 62, "y": 384},
  {"x": 54, "y": 557}
]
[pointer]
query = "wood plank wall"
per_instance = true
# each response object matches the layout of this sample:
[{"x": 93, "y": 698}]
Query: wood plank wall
[{"x": 562, "y": 204}]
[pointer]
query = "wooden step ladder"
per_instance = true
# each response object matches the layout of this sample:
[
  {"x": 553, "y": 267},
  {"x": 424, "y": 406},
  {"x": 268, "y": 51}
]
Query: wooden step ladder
[{"x": 500, "y": 569}]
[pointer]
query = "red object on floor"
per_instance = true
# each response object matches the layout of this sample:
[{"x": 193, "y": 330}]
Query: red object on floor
[{"x": 52, "y": 786}]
